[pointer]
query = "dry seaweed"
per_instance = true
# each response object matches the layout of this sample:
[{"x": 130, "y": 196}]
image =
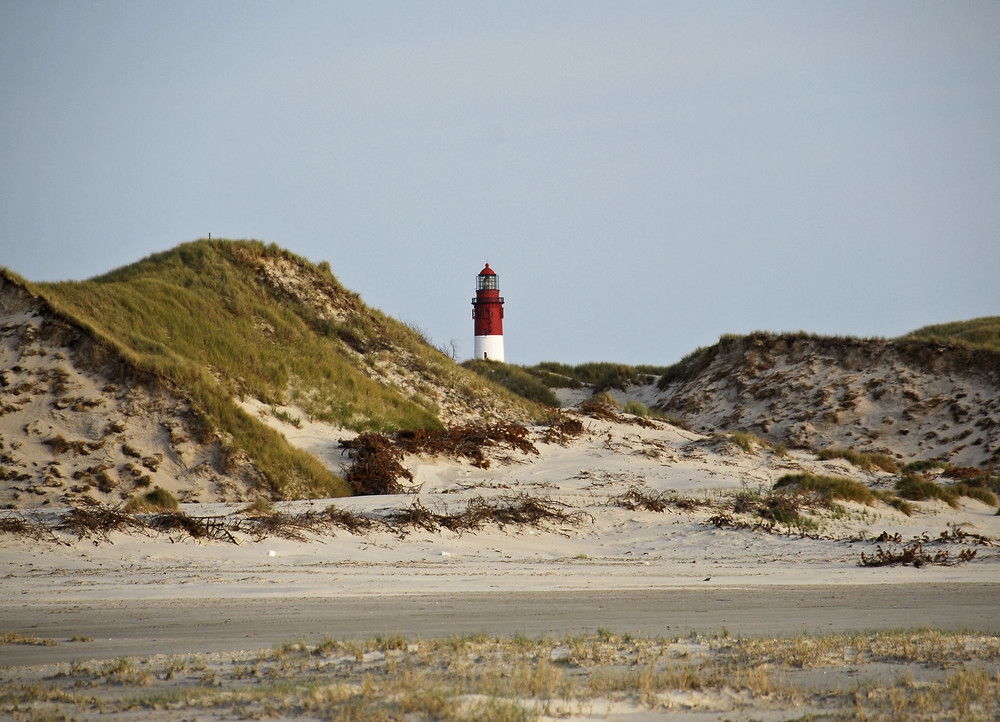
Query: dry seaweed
[
  {"x": 418, "y": 516},
  {"x": 600, "y": 407},
  {"x": 508, "y": 510},
  {"x": 349, "y": 521},
  {"x": 523, "y": 510},
  {"x": 19, "y": 527},
  {"x": 562, "y": 430},
  {"x": 212, "y": 527},
  {"x": 285, "y": 526},
  {"x": 637, "y": 498},
  {"x": 376, "y": 468},
  {"x": 914, "y": 555},
  {"x": 466, "y": 441},
  {"x": 98, "y": 521}
]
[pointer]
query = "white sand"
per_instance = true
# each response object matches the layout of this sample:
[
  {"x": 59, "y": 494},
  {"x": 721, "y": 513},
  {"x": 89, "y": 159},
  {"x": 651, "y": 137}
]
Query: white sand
[{"x": 613, "y": 549}]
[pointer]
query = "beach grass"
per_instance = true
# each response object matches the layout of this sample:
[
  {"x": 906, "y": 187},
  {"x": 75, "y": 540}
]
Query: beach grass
[
  {"x": 827, "y": 488},
  {"x": 916, "y": 488},
  {"x": 864, "y": 461},
  {"x": 158, "y": 499},
  {"x": 915, "y": 674}
]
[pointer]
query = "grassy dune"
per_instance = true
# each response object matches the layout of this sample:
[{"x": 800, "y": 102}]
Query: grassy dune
[
  {"x": 977, "y": 333},
  {"x": 210, "y": 316}
]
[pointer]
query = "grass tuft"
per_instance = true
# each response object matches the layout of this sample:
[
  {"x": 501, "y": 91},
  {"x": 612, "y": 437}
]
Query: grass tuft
[
  {"x": 827, "y": 487},
  {"x": 157, "y": 499},
  {"x": 748, "y": 442},
  {"x": 867, "y": 462},
  {"x": 917, "y": 488},
  {"x": 514, "y": 379}
]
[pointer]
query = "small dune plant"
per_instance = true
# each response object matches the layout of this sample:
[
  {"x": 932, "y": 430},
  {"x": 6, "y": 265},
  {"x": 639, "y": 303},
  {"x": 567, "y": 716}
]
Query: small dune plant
[
  {"x": 915, "y": 467},
  {"x": 155, "y": 500},
  {"x": 514, "y": 379},
  {"x": 895, "y": 501},
  {"x": 917, "y": 488},
  {"x": 866, "y": 462},
  {"x": 827, "y": 488},
  {"x": 972, "y": 491},
  {"x": 777, "y": 506},
  {"x": 259, "y": 507},
  {"x": 747, "y": 441},
  {"x": 637, "y": 408}
]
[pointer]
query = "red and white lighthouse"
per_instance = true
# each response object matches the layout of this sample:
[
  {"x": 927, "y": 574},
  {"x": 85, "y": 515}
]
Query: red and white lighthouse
[{"x": 487, "y": 311}]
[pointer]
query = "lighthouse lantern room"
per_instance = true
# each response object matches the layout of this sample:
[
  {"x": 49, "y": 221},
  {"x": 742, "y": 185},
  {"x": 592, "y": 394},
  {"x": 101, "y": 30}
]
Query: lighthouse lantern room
[{"x": 487, "y": 312}]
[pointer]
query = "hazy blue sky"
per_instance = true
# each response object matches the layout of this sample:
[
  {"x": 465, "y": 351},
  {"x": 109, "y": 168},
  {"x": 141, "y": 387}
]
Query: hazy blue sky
[{"x": 644, "y": 176}]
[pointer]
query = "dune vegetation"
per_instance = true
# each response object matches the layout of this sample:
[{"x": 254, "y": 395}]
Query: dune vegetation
[
  {"x": 911, "y": 675},
  {"x": 230, "y": 320},
  {"x": 981, "y": 333}
]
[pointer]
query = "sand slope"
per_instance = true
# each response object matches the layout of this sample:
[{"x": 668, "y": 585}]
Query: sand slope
[{"x": 911, "y": 400}]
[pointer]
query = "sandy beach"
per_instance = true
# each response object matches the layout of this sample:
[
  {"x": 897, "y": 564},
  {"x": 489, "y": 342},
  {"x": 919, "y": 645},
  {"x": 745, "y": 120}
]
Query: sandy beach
[
  {"x": 79, "y": 603},
  {"x": 605, "y": 549}
]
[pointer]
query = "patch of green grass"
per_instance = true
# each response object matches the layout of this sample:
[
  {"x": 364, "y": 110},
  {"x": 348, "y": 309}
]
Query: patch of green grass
[
  {"x": 617, "y": 376},
  {"x": 688, "y": 367},
  {"x": 925, "y": 465},
  {"x": 867, "y": 462},
  {"x": 283, "y": 415},
  {"x": 555, "y": 375},
  {"x": 747, "y": 441},
  {"x": 975, "y": 492},
  {"x": 637, "y": 408},
  {"x": 896, "y": 502},
  {"x": 981, "y": 333},
  {"x": 827, "y": 487},
  {"x": 969, "y": 482},
  {"x": 975, "y": 477},
  {"x": 917, "y": 488},
  {"x": 514, "y": 379},
  {"x": 601, "y": 375},
  {"x": 157, "y": 499},
  {"x": 259, "y": 507}
]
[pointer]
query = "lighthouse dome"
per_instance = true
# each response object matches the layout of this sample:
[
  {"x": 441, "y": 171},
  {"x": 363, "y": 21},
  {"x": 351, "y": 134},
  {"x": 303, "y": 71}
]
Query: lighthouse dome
[{"x": 487, "y": 271}]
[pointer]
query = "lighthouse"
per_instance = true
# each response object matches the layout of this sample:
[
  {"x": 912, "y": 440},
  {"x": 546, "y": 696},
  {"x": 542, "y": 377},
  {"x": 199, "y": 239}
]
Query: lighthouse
[{"x": 487, "y": 311}]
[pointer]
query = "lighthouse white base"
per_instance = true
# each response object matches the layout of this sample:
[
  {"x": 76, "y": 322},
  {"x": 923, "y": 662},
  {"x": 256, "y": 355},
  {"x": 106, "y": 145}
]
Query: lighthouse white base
[{"x": 489, "y": 348}]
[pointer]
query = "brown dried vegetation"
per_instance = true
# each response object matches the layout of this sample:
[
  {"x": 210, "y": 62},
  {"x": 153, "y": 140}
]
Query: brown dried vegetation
[
  {"x": 562, "y": 430},
  {"x": 503, "y": 511},
  {"x": 377, "y": 468},
  {"x": 468, "y": 441},
  {"x": 915, "y": 555},
  {"x": 100, "y": 522},
  {"x": 637, "y": 498}
]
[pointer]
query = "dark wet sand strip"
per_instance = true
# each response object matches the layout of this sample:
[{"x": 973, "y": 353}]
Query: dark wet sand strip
[{"x": 182, "y": 626}]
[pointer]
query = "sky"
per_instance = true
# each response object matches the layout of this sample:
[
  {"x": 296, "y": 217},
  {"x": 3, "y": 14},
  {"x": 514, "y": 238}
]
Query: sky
[{"x": 643, "y": 176}]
